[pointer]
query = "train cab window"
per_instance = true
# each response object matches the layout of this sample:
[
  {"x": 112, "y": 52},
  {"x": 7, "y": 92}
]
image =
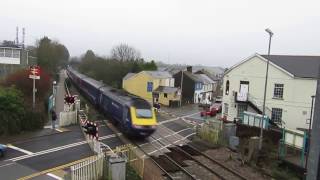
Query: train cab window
[{"x": 143, "y": 113}]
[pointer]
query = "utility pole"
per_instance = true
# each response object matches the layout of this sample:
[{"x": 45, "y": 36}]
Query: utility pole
[
  {"x": 181, "y": 84},
  {"x": 265, "y": 92}
]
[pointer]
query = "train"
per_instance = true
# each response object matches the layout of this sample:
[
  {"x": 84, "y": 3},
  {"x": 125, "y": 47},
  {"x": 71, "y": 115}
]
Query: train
[{"x": 134, "y": 115}]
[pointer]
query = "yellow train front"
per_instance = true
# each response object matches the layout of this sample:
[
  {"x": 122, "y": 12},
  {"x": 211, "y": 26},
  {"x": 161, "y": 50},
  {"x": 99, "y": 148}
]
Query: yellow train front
[
  {"x": 143, "y": 121},
  {"x": 134, "y": 115}
]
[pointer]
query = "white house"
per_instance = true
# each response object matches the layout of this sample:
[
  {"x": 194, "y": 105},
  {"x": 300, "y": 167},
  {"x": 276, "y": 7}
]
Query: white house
[
  {"x": 204, "y": 94},
  {"x": 291, "y": 83},
  {"x": 12, "y": 58}
]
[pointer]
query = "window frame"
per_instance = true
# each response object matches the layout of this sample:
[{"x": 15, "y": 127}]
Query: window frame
[
  {"x": 276, "y": 115},
  {"x": 278, "y": 91}
]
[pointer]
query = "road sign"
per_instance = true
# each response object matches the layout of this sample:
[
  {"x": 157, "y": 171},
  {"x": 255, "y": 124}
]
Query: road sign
[{"x": 34, "y": 72}]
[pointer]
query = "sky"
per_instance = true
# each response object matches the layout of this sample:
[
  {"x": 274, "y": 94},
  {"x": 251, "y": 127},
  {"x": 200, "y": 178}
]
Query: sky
[{"x": 207, "y": 32}]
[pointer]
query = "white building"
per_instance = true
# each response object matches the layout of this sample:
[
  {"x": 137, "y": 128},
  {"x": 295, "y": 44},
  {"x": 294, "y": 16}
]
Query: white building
[
  {"x": 291, "y": 83},
  {"x": 12, "y": 57},
  {"x": 204, "y": 93}
]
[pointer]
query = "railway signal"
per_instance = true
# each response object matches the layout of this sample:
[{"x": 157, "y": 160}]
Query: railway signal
[
  {"x": 91, "y": 129},
  {"x": 69, "y": 99}
]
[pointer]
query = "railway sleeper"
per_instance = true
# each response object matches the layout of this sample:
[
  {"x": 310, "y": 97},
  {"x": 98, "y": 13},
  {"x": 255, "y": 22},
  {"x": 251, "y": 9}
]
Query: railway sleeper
[
  {"x": 166, "y": 164},
  {"x": 178, "y": 157}
]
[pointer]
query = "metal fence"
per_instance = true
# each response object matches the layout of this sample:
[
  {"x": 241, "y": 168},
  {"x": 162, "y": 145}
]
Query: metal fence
[{"x": 90, "y": 169}]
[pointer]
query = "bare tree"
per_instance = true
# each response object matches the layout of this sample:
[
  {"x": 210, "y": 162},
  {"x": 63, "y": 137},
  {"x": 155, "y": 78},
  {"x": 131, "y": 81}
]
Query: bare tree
[{"x": 123, "y": 52}]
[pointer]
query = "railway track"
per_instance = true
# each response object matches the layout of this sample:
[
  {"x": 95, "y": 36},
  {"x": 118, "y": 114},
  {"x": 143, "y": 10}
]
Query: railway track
[{"x": 187, "y": 155}]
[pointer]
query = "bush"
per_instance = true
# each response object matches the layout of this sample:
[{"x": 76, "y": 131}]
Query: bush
[
  {"x": 14, "y": 117},
  {"x": 12, "y": 110},
  {"x": 32, "y": 121}
]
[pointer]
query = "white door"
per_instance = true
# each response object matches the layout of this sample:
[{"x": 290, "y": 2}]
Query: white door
[{"x": 243, "y": 94}]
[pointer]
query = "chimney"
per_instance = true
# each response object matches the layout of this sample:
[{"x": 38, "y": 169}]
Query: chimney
[{"x": 189, "y": 69}]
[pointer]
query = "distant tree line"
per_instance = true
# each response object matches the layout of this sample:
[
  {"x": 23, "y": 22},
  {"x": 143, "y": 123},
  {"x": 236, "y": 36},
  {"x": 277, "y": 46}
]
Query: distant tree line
[{"x": 111, "y": 70}]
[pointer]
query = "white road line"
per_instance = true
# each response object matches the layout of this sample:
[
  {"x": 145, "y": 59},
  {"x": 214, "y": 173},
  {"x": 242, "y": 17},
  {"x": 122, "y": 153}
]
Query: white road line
[
  {"x": 58, "y": 130},
  {"x": 6, "y": 165},
  {"x": 57, "y": 149},
  {"x": 19, "y": 149},
  {"x": 174, "y": 119},
  {"x": 54, "y": 176},
  {"x": 164, "y": 136},
  {"x": 169, "y": 145}
]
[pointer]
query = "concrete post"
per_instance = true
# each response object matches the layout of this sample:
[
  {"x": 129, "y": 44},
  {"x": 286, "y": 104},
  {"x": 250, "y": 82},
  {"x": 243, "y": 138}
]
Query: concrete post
[{"x": 117, "y": 167}]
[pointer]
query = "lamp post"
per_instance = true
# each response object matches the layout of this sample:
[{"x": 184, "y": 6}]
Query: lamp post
[
  {"x": 265, "y": 90},
  {"x": 54, "y": 92}
]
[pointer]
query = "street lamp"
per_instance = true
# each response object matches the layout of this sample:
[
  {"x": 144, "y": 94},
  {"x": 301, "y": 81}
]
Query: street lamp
[
  {"x": 54, "y": 92},
  {"x": 265, "y": 90}
]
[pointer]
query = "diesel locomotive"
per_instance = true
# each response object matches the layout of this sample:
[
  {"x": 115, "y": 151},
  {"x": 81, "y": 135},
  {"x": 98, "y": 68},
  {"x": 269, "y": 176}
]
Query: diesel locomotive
[{"x": 134, "y": 115}]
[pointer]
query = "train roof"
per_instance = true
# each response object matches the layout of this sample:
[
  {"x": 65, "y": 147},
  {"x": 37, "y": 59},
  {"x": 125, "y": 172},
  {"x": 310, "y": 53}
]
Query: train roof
[
  {"x": 91, "y": 81},
  {"x": 119, "y": 95}
]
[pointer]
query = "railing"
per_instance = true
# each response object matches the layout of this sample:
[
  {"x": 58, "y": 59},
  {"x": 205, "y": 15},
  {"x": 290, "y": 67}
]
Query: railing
[
  {"x": 89, "y": 169},
  {"x": 256, "y": 102}
]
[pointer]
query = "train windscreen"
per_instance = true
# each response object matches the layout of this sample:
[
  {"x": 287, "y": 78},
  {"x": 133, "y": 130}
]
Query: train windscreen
[
  {"x": 143, "y": 108},
  {"x": 143, "y": 113}
]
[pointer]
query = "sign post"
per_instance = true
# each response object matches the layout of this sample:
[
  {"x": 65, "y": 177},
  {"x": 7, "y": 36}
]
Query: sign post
[{"x": 34, "y": 74}]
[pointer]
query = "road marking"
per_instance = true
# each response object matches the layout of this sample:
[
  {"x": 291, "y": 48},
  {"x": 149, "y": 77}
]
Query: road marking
[
  {"x": 6, "y": 165},
  {"x": 58, "y": 130},
  {"x": 54, "y": 169},
  {"x": 19, "y": 149},
  {"x": 165, "y": 136},
  {"x": 57, "y": 149},
  {"x": 174, "y": 119},
  {"x": 54, "y": 176},
  {"x": 169, "y": 145}
]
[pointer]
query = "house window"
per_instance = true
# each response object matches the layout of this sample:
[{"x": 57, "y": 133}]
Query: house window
[
  {"x": 227, "y": 87},
  {"x": 16, "y": 54},
  {"x": 165, "y": 95},
  {"x": 8, "y": 53},
  {"x": 1, "y": 52},
  {"x": 226, "y": 108},
  {"x": 276, "y": 115},
  {"x": 278, "y": 91}
]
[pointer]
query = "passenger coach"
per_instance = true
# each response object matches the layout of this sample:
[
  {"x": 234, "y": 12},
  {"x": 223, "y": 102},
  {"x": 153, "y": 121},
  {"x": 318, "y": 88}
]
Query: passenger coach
[{"x": 135, "y": 116}]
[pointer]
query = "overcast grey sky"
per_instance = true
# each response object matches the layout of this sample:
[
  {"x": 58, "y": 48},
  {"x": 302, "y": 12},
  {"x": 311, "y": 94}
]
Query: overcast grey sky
[{"x": 209, "y": 32}]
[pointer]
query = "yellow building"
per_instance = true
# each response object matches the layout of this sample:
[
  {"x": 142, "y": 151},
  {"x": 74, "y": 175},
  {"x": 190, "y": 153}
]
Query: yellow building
[{"x": 156, "y": 86}]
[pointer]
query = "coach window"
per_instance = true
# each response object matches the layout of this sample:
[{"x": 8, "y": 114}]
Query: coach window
[{"x": 227, "y": 87}]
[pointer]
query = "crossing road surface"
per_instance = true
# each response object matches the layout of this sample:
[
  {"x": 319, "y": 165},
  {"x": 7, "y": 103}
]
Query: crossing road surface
[{"x": 42, "y": 153}]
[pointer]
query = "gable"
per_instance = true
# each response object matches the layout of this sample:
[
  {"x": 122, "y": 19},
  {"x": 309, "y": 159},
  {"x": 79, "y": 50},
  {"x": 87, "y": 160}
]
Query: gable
[{"x": 256, "y": 65}]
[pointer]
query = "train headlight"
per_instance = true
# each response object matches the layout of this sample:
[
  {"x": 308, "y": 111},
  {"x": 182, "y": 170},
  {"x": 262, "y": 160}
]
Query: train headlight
[{"x": 137, "y": 126}]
